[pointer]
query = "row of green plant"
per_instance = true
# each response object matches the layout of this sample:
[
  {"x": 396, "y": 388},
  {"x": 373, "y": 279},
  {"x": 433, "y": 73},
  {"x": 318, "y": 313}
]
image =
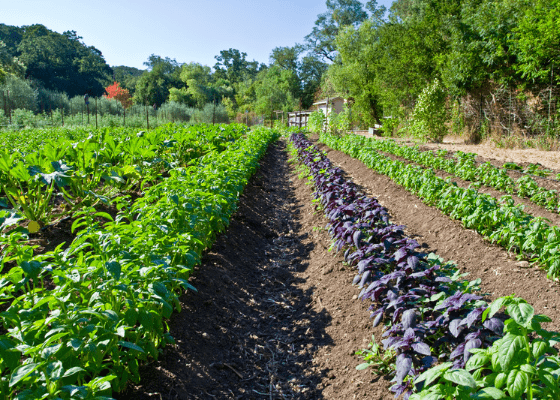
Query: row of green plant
[
  {"x": 101, "y": 166},
  {"x": 442, "y": 341},
  {"x": 500, "y": 221},
  {"x": 77, "y": 323},
  {"x": 465, "y": 168}
]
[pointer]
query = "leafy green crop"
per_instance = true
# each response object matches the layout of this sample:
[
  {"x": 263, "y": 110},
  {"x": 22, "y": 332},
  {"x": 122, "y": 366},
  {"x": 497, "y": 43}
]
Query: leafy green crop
[
  {"x": 81, "y": 320},
  {"x": 465, "y": 168},
  {"x": 523, "y": 364},
  {"x": 498, "y": 220}
]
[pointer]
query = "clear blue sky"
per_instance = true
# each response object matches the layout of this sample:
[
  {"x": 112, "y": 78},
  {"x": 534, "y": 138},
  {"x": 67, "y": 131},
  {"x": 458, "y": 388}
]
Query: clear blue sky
[{"x": 127, "y": 32}]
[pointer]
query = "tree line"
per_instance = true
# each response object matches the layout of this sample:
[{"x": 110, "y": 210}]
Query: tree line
[
  {"x": 495, "y": 61},
  {"x": 44, "y": 70},
  {"x": 483, "y": 66}
]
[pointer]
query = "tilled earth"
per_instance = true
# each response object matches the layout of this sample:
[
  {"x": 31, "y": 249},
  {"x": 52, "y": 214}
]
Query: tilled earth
[{"x": 276, "y": 316}]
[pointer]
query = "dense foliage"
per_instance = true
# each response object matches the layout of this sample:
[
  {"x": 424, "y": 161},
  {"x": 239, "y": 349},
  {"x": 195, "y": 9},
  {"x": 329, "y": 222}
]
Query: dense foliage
[
  {"x": 495, "y": 59},
  {"x": 79, "y": 321}
]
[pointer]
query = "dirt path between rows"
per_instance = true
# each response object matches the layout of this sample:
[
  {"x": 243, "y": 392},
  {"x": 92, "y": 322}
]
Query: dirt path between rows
[{"x": 276, "y": 316}]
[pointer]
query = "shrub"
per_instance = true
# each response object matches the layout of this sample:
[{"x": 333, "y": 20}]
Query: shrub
[
  {"x": 316, "y": 121},
  {"x": 430, "y": 113}
]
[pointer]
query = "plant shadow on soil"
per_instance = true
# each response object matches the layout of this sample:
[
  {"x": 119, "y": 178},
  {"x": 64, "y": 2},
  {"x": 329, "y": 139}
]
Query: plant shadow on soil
[{"x": 250, "y": 332}]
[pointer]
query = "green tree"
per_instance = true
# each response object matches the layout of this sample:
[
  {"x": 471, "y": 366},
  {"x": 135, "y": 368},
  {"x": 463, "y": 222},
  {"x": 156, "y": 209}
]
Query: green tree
[
  {"x": 154, "y": 85},
  {"x": 538, "y": 39},
  {"x": 62, "y": 62},
  {"x": 340, "y": 13},
  {"x": 274, "y": 91},
  {"x": 127, "y": 77},
  {"x": 232, "y": 65}
]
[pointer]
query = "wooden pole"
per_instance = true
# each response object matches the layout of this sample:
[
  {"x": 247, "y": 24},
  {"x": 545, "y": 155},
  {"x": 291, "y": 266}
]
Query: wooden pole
[
  {"x": 9, "y": 108},
  {"x": 147, "y": 119}
]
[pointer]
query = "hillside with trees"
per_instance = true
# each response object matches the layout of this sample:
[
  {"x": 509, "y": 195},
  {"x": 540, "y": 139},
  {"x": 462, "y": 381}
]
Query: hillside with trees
[{"x": 488, "y": 66}]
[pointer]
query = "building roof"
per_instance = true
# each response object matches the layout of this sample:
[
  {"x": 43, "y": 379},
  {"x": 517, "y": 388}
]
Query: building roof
[{"x": 324, "y": 101}]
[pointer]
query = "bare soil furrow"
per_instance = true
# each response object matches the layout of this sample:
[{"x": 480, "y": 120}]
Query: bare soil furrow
[{"x": 275, "y": 315}]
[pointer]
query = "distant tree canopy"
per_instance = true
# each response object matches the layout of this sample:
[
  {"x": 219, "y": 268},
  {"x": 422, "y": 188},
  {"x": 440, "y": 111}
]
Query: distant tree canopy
[
  {"x": 127, "y": 77},
  {"x": 55, "y": 61}
]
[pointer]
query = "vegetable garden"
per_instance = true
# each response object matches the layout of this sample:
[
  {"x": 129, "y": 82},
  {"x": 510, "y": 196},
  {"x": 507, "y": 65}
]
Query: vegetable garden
[{"x": 152, "y": 215}]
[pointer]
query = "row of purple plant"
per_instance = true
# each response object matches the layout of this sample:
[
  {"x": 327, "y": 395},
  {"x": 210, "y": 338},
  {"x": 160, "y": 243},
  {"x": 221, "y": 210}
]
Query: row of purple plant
[{"x": 430, "y": 311}]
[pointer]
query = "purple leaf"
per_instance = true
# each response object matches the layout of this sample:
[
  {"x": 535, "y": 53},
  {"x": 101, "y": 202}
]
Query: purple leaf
[
  {"x": 422, "y": 348},
  {"x": 459, "y": 351},
  {"x": 365, "y": 277},
  {"x": 400, "y": 254},
  {"x": 357, "y": 237},
  {"x": 377, "y": 319},
  {"x": 495, "y": 325},
  {"x": 455, "y": 327},
  {"x": 397, "y": 314},
  {"x": 412, "y": 262},
  {"x": 471, "y": 344},
  {"x": 474, "y": 316},
  {"x": 409, "y": 334},
  {"x": 404, "y": 363},
  {"x": 409, "y": 319}
]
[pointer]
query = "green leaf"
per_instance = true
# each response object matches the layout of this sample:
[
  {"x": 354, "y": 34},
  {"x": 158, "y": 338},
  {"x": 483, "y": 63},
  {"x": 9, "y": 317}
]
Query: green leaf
[
  {"x": 23, "y": 372},
  {"x": 362, "y": 366},
  {"x": 501, "y": 380},
  {"x": 130, "y": 345},
  {"x": 114, "y": 268},
  {"x": 529, "y": 369},
  {"x": 517, "y": 382},
  {"x": 433, "y": 373},
  {"x": 477, "y": 361},
  {"x": 121, "y": 332},
  {"x": 493, "y": 309},
  {"x": 131, "y": 316},
  {"x": 72, "y": 371},
  {"x": 489, "y": 393},
  {"x": 460, "y": 377},
  {"x": 522, "y": 313},
  {"x": 539, "y": 348},
  {"x": 509, "y": 347}
]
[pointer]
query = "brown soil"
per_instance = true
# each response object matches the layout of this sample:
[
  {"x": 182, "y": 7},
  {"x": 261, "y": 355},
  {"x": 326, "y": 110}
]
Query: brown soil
[{"x": 275, "y": 315}]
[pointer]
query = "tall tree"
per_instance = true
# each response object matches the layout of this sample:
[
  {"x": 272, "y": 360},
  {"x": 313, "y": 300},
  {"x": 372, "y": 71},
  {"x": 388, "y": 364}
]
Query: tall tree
[
  {"x": 154, "y": 85},
  {"x": 233, "y": 66},
  {"x": 340, "y": 13},
  {"x": 274, "y": 90},
  {"x": 127, "y": 77}
]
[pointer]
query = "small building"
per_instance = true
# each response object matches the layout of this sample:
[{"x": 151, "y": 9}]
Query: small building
[{"x": 333, "y": 104}]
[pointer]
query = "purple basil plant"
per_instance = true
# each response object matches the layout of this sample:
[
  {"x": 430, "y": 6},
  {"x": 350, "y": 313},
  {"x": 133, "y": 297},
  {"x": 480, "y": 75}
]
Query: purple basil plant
[{"x": 431, "y": 315}]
